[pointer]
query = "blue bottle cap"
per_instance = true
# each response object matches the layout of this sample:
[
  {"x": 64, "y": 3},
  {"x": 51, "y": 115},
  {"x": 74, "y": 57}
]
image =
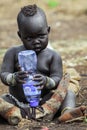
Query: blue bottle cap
[{"x": 34, "y": 103}]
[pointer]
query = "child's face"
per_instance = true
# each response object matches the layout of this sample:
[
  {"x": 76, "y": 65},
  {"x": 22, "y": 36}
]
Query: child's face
[{"x": 34, "y": 33}]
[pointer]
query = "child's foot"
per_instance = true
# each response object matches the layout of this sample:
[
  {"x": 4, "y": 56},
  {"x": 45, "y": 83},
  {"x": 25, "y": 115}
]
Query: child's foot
[
  {"x": 71, "y": 114},
  {"x": 44, "y": 114}
]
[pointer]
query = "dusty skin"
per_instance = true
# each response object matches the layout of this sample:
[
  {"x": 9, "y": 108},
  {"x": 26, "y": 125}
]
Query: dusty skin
[{"x": 68, "y": 36}]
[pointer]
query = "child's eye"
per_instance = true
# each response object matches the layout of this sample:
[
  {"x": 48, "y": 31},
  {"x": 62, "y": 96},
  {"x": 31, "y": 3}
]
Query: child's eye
[
  {"x": 42, "y": 36},
  {"x": 28, "y": 38}
]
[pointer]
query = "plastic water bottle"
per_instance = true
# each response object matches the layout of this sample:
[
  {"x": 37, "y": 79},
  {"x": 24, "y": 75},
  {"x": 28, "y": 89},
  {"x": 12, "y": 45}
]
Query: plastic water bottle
[{"x": 28, "y": 62}]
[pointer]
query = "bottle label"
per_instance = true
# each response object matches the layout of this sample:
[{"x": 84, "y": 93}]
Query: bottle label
[
  {"x": 30, "y": 89},
  {"x": 32, "y": 94},
  {"x": 27, "y": 90}
]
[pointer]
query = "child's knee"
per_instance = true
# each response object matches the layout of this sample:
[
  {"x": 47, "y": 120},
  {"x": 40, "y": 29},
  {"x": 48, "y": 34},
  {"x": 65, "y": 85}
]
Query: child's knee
[
  {"x": 10, "y": 112},
  {"x": 74, "y": 80}
]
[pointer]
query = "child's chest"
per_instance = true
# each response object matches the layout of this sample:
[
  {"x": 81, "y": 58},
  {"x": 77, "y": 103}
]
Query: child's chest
[{"x": 43, "y": 64}]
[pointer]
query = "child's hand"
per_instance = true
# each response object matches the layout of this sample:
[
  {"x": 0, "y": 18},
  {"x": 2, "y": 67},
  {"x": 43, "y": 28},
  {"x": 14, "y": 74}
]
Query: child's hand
[
  {"x": 40, "y": 79},
  {"x": 19, "y": 76}
]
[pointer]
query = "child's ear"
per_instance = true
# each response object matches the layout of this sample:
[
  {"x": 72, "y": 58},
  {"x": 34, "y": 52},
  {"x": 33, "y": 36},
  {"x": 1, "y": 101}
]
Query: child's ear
[
  {"x": 48, "y": 29},
  {"x": 18, "y": 32}
]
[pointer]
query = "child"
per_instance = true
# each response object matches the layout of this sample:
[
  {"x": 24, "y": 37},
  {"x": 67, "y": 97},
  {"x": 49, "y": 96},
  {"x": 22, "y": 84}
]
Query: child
[{"x": 33, "y": 31}]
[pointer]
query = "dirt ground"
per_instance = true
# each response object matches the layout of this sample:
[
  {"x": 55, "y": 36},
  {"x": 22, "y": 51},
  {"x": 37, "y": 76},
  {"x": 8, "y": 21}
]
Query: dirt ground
[{"x": 68, "y": 36}]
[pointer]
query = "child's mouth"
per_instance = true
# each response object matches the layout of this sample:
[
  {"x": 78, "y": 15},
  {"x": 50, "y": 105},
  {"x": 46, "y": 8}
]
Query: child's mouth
[{"x": 37, "y": 49}]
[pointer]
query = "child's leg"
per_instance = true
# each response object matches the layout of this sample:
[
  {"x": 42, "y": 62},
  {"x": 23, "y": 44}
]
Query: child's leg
[
  {"x": 68, "y": 110},
  {"x": 69, "y": 101},
  {"x": 72, "y": 113},
  {"x": 53, "y": 104},
  {"x": 10, "y": 112}
]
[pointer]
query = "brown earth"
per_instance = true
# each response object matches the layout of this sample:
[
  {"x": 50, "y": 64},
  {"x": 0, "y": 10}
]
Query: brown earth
[{"x": 68, "y": 35}]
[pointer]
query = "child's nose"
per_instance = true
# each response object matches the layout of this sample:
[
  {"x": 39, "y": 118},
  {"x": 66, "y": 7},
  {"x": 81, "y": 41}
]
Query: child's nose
[{"x": 36, "y": 41}]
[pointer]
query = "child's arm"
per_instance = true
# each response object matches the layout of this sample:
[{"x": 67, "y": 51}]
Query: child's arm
[
  {"x": 56, "y": 70},
  {"x": 7, "y": 74}
]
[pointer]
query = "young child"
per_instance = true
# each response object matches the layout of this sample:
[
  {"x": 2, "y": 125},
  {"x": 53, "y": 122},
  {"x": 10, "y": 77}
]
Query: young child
[{"x": 33, "y": 31}]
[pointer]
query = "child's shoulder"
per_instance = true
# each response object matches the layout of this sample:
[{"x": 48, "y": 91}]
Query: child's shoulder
[
  {"x": 15, "y": 49},
  {"x": 53, "y": 52}
]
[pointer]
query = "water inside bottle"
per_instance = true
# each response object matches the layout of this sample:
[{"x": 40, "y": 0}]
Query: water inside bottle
[{"x": 28, "y": 61}]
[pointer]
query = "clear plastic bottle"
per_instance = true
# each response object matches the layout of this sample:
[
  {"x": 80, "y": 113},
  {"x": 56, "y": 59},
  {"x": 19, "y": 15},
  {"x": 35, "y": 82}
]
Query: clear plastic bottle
[{"x": 28, "y": 62}]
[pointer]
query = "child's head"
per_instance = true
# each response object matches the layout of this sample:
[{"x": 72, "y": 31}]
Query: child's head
[{"x": 33, "y": 28}]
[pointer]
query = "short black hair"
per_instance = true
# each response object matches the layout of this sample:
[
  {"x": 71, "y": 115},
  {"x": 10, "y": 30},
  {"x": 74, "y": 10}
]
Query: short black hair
[{"x": 29, "y": 10}]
